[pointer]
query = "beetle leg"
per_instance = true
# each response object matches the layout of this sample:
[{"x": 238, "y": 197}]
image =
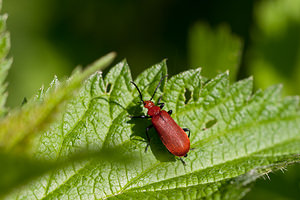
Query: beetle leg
[
  {"x": 186, "y": 129},
  {"x": 161, "y": 105},
  {"x": 182, "y": 161},
  {"x": 148, "y": 138},
  {"x": 158, "y": 101},
  {"x": 142, "y": 116},
  {"x": 170, "y": 112}
]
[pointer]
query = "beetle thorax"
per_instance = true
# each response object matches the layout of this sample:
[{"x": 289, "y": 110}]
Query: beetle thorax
[{"x": 152, "y": 109}]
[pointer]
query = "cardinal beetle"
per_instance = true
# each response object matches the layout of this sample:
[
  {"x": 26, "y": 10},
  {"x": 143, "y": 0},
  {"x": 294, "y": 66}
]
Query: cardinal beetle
[{"x": 171, "y": 134}]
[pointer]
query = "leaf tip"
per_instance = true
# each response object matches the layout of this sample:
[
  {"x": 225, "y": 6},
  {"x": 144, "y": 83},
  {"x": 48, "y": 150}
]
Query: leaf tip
[
  {"x": 198, "y": 69},
  {"x": 4, "y": 16}
]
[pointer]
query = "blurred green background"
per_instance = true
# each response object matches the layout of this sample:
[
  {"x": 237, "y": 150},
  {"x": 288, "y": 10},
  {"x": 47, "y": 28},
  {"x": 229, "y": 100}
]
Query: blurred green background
[{"x": 249, "y": 37}]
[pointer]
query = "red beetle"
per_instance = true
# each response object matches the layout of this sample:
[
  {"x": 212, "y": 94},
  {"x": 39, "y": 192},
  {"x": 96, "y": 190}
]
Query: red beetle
[{"x": 171, "y": 134}]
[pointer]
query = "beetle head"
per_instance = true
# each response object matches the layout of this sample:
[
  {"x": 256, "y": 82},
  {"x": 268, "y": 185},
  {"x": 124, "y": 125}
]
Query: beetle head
[{"x": 148, "y": 104}]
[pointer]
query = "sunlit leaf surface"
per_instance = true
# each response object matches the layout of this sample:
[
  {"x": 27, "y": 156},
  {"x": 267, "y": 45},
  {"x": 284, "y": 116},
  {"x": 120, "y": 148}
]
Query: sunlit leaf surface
[{"x": 248, "y": 136}]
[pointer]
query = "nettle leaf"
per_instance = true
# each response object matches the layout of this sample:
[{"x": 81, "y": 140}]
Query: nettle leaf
[
  {"x": 236, "y": 137},
  {"x": 214, "y": 49},
  {"x": 23, "y": 124},
  {"x": 277, "y": 27},
  {"x": 20, "y": 128}
]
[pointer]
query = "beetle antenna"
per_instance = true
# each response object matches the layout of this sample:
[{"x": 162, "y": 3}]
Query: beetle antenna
[
  {"x": 158, "y": 86},
  {"x": 141, "y": 96}
]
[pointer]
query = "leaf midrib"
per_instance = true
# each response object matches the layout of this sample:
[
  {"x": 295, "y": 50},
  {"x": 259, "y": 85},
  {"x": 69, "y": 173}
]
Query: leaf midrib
[
  {"x": 134, "y": 180},
  {"x": 153, "y": 166},
  {"x": 212, "y": 166},
  {"x": 70, "y": 131},
  {"x": 156, "y": 165}
]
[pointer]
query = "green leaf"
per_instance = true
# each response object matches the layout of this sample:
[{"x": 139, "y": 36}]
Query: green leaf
[
  {"x": 17, "y": 129},
  {"x": 4, "y": 63},
  {"x": 248, "y": 136},
  {"x": 19, "y": 169},
  {"x": 274, "y": 55},
  {"x": 215, "y": 50}
]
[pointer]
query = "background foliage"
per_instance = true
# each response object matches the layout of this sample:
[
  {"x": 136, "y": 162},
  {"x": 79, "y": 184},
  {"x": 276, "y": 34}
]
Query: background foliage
[{"x": 264, "y": 35}]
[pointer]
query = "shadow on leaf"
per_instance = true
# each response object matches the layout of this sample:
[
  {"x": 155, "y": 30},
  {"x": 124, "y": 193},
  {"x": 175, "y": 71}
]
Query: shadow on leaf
[
  {"x": 16, "y": 169},
  {"x": 139, "y": 131}
]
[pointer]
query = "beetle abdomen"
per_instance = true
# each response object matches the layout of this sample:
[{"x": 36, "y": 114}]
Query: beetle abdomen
[{"x": 171, "y": 134}]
